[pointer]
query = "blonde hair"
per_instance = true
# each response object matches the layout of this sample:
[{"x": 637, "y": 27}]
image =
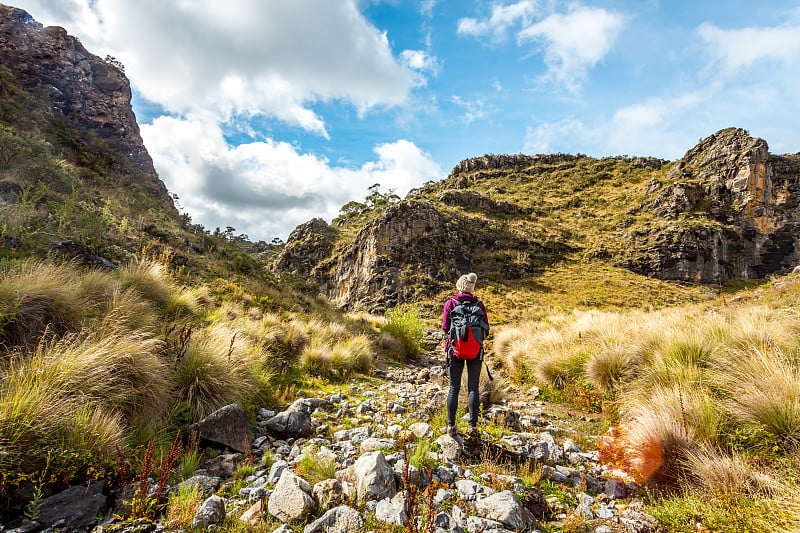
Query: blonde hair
[{"x": 466, "y": 283}]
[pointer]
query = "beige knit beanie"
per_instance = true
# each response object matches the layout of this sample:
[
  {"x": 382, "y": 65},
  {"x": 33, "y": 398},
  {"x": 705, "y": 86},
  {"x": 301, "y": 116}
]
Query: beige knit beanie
[{"x": 466, "y": 283}]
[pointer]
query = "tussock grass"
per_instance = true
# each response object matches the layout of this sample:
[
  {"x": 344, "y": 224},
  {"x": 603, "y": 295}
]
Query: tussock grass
[
  {"x": 215, "y": 369},
  {"x": 686, "y": 380},
  {"x": 35, "y": 297},
  {"x": 43, "y": 429},
  {"x": 340, "y": 358},
  {"x": 406, "y": 325}
]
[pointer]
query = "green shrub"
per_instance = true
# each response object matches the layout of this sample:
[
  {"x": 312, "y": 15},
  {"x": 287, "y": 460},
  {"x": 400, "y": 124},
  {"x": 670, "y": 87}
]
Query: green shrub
[{"x": 406, "y": 325}]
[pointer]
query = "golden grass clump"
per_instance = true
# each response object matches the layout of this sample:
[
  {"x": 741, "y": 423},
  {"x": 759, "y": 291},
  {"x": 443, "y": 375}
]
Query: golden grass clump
[
  {"x": 35, "y": 297},
  {"x": 45, "y": 430},
  {"x": 149, "y": 279},
  {"x": 765, "y": 390},
  {"x": 120, "y": 372},
  {"x": 216, "y": 368},
  {"x": 340, "y": 358}
]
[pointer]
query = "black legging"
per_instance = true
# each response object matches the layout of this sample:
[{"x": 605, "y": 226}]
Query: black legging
[{"x": 473, "y": 382}]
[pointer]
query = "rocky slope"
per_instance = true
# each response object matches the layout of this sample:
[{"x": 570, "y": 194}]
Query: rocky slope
[
  {"x": 726, "y": 211},
  {"x": 358, "y": 432},
  {"x": 75, "y": 98}
]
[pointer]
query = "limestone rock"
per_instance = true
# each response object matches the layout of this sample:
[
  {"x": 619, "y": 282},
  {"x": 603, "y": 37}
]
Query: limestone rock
[
  {"x": 421, "y": 429},
  {"x": 342, "y": 519},
  {"x": 227, "y": 426},
  {"x": 392, "y": 510},
  {"x": 211, "y": 511},
  {"x": 291, "y": 500},
  {"x": 374, "y": 477},
  {"x": 540, "y": 447},
  {"x": 328, "y": 493},
  {"x": 253, "y": 515},
  {"x": 505, "y": 507},
  {"x": 451, "y": 448}
]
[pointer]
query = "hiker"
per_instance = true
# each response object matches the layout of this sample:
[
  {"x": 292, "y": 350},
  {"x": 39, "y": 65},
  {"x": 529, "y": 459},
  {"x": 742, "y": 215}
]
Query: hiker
[{"x": 466, "y": 323}]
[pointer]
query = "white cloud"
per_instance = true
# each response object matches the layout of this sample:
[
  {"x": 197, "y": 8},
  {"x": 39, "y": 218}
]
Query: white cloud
[
  {"x": 575, "y": 41},
  {"x": 548, "y": 137},
  {"x": 242, "y": 56},
  {"x": 739, "y": 49},
  {"x": 503, "y": 17},
  {"x": 266, "y": 188},
  {"x": 571, "y": 42},
  {"x": 420, "y": 61},
  {"x": 473, "y": 109}
]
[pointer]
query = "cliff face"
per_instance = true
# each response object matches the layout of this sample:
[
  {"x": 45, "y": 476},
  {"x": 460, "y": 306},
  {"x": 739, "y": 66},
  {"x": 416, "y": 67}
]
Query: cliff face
[
  {"x": 79, "y": 87},
  {"x": 727, "y": 210}
]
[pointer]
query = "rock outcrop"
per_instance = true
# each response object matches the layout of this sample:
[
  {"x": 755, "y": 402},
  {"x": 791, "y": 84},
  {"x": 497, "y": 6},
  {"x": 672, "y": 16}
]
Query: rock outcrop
[
  {"x": 308, "y": 245},
  {"x": 79, "y": 87},
  {"x": 727, "y": 210},
  {"x": 410, "y": 247}
]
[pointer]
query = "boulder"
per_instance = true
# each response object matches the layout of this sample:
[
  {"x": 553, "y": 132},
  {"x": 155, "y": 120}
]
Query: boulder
[
  {"x": 253, "y": 515},
  {"x": 342, "y": 519},
  {"x": 501, "y": 415},
  {"x": 291, "y": 423},
  {"x": 227, "y": 426},
  {"x": 374, "y": 478},
  {"x": 75, "y": 507},
  {"x": 291, "y": 500},
  {"x": 356, "y": 435},
  {"x": 222, "y": 466},
  {"x": 328, "y": 493},
  {"x": 540, "y": 447},
  {"x": 275, "y": 471},
  {"x": 392, "y": 510},
  {"x": 470, "y": 490},
  {"x": 373, "y": 444},
  {"x": 505, "y": 507},
  {"x": 451, "y": 448},
  {"x": 422, "y": 430},
  {"x": 211, "y": 511}
]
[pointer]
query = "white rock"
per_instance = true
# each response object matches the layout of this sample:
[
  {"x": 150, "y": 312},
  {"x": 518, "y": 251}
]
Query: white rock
[
  {"x": 342, "y": 519},
  {"x": 374, "y": 478},
  {"x": 212, "y": 511},
  {"x": 291, "y": 500},
  {"x": 421, "y": 429},
  {"x": 392, "y": 510},
  {"x": 505, "y": 507}
]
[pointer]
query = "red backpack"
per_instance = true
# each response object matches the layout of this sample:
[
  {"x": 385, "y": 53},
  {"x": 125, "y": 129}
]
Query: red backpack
[{"x": 468, "y": 329}]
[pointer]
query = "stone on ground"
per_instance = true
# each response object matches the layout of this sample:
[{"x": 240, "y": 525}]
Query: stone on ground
[
  {"x": 77, "y": 506},
  {"x": 342, "y": 519},
  {"x": 422, "y": 430},
  {"x": 253, "y": 515},
  {"x": 227, "y": 426},
  {"x": 392, "y": 510},
  {"x": 212, "y": 511},
  {"x": 505, "y": 507},
  {"x": 291, "y": 500},
  {"x": 328, "y": 493},
  {"x": 374, "y": 478},
  {"x": 451, "y": 448},
  {"x": 205, "y": 485}
]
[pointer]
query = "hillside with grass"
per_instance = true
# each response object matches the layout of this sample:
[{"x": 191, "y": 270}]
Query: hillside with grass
[
  {"x": 158, "y": 376},
  {"x": 563, "y": 231}
]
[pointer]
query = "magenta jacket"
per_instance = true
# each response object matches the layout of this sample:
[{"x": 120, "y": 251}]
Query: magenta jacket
[{"x": 450, "y": 305}]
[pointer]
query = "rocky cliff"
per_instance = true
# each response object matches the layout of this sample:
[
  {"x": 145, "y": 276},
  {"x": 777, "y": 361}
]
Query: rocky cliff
[
  {"x": 727, "y": 210},
  {"x": 80, "y": 92}
]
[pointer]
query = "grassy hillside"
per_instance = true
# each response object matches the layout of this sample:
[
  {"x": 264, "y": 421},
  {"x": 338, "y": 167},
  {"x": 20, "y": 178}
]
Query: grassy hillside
[{"x": 701, "y": 401}]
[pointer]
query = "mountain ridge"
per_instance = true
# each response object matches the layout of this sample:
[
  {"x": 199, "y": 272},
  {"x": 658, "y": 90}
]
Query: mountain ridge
[{"x": 534, "y": 212}]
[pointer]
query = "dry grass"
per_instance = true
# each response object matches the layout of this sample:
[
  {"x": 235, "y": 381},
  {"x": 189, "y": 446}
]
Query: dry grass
[{"x": 215, "y": 369}]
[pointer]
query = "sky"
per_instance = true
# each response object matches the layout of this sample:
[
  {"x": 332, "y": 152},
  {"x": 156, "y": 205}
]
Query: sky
[{"x": 262, "y": 114}]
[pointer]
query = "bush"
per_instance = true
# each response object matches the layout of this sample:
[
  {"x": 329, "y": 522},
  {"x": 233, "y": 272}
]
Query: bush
[{"x": 406, "y": 325}]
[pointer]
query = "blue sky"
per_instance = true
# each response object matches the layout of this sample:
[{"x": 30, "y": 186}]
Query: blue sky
[{"x": 263, "y": 114}]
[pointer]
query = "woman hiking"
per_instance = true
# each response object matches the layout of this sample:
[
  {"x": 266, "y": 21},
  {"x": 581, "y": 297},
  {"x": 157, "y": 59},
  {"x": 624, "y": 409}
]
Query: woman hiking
[{"x": 466, "y": 323}]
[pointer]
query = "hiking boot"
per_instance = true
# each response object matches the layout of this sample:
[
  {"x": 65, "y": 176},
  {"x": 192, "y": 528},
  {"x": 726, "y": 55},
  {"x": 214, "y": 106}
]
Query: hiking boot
[
  {"x": 473, "y": 433},
  {"x": 452, "y": 431}
]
